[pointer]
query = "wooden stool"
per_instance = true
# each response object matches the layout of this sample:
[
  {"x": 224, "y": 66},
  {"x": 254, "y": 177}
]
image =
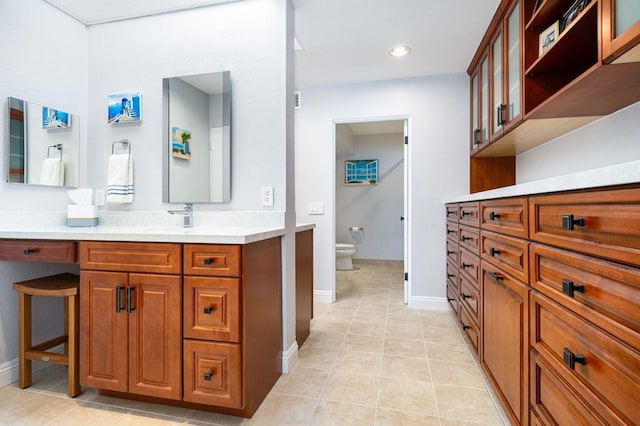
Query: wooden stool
[{"x": 62, "y": 285}]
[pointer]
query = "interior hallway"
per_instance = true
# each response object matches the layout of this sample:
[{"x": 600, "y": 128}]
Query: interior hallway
[{"x": 369, "y": 360}]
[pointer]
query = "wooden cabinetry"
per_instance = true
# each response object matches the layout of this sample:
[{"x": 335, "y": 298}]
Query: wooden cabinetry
[
  {"x": 232, "y": 324},
  {"x": 130, "y": 322},
  {"x": 620, "y": 31},
  {"x": 304, "y": 285},
  {"x": 38, "y": 251},
  {"x": 559, "y": 285},
  {"x": 588, "y": 71}
]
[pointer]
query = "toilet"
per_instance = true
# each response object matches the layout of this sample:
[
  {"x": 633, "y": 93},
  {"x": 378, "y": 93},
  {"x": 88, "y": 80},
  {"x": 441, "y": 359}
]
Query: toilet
[{"x": 344, "y": 253}]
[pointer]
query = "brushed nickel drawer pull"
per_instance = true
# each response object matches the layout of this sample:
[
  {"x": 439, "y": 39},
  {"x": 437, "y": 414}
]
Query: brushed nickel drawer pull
[
  {"x": 568, "y": 222},
  {"x": 208, "y": 309},
  {"x": 570, "y": 359},
  {"x": 569, "y": 287}
]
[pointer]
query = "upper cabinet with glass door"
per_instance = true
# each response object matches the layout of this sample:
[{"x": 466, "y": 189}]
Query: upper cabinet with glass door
[
  {"x": 506, "y": 76},
  {"x": 620, "y": 30},
  {"x": 480, "y": 116}
]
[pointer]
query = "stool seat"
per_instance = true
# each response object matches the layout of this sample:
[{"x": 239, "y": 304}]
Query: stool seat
[{"x": 61, "y": 285}]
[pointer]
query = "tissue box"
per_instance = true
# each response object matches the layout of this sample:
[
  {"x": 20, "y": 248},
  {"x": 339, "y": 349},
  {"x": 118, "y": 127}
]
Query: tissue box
[{"x": 82, "y": 215}]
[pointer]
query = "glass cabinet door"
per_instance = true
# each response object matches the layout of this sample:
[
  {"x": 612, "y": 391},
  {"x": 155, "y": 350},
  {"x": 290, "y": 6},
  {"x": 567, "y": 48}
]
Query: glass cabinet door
[
  {"x": 475, "y": 133},
  {"x": 484, "y": 99},
  {"x": 620, "y": 27},
  {"x": 513, "y": 61},
  {"x": 498, "y": 110}
]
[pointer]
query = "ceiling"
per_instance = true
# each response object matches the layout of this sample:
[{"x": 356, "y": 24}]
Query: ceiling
[{"x": 347, "y": 41}]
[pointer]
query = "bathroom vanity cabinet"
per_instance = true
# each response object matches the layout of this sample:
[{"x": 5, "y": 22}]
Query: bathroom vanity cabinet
[{"x": 195, "y": 323}]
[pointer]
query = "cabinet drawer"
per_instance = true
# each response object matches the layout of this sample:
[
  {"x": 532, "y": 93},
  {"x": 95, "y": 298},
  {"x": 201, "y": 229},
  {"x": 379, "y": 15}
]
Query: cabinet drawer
[
  {"x": 212, "y": 308},
  {"x": 609, "y": 368},
  {"x": 596, "y": 289},
  {"x": 38, "y": 251},
  {"x": 507, "y": 216},
  {"x": 469, "y": 328},
  {"x": 470, "y": 238},
  {"x": 452, "y": 296},
  {"x": 469, "y": 297},
  {"x": 213, "y": 373},
  {"x": 469, "y": 214},
  {"x": 165, "y": 258},
  {"x": 207, "y": 259},
  {"x": 452, "y": 273},
  {"x": 452, "y": 252},
  {"x": 602, "y": 223},
  {"x": 558, "y": 399},
  {"x": 508, "y": 253},
  {"x": 469, "y": 264},
  {"x": 452, "y": 212},
  {"x": 452, "y": 231}
]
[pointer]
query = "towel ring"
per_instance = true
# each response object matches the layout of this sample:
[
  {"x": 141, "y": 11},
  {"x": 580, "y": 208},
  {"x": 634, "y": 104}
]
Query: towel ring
[
  {"x": 123, "y": 142},
  {"x": 58, "y": 147}
]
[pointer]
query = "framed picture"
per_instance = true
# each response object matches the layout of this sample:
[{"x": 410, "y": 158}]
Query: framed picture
[
  {"x": 55, "y": 119},
  {"x": 548, "y": 37},
  {"x": 124, "y": 108},
  {"x": 360, "y": 172},
  {"x": 181, "y": 143},
  {"x": 575, "y": 9}
]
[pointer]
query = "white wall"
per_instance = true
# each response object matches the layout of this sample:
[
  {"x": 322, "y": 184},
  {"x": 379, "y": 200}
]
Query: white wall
[
  {"x": 378, "y": 207},
  {"x": 611, "y": 140},
  {"x": 438, "y": 112},
  {"x": 136, "y": 55},
  {"x": 36, "y": 38}
]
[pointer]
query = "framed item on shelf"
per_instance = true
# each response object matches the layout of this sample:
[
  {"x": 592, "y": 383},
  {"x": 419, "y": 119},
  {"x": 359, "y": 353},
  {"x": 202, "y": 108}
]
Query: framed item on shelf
[
  {"x": 548, "y": 37},
  {"x": 575, "y": 9}
]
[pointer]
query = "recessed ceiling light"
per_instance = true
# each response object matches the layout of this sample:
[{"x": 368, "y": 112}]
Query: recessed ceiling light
[{"x": 400, "y": 51}]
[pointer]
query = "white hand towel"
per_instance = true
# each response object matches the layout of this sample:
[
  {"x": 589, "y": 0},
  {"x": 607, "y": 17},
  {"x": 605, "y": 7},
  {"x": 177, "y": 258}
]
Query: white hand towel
[
  {"x": 52, "y": 172},
  {"x": 120, "y": 179}
]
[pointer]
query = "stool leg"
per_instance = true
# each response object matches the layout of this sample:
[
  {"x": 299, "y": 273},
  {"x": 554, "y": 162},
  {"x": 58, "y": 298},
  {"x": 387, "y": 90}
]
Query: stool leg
[
  {"x": 73, "y": 303},
  {"x": 24, "y": 339}
]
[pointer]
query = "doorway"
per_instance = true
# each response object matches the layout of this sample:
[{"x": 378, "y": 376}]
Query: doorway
[{"x": 371, "y": 205}]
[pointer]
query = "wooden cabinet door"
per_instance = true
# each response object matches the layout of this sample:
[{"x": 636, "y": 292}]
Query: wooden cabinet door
[
  {"x": 505, "y": 339},
  {"x": 103, "y": 330},
  {"x": 155, "y": 335}
]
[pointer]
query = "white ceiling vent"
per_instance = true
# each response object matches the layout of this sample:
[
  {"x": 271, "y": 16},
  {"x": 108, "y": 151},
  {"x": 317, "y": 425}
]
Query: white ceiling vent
[{"x": 297, "y": 101}]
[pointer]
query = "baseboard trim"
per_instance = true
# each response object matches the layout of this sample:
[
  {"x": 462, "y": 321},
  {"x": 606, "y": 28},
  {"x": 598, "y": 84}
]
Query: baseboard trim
[
  {"x": 10, "y": 370},
  {"x": 290, "y": 358},
  {"x": 429, "y": 303},
  {"x": 323, "y": 296}
]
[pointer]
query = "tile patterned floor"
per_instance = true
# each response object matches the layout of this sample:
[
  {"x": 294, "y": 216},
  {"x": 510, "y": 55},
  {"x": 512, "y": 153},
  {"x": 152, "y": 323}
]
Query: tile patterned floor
[{"x": 369, "y": 360}]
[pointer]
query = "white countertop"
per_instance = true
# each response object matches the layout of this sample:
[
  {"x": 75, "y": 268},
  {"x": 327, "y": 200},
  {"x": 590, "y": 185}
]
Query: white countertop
[{"x": 619, "y": 174}]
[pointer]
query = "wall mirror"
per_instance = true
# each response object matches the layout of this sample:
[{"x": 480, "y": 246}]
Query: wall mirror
[
  {"x": 42, "y": 145},
  {"x": 197, "y": 131}
]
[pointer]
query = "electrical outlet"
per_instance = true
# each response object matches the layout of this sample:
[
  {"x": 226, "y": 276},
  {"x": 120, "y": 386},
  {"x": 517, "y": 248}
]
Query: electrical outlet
[
  {"x": 267, "y": 196},
  {"x": 99, "y": 197}
]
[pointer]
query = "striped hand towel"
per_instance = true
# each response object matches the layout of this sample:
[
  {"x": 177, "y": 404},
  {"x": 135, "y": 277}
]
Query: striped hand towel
[{"x": 120, "y": 179}]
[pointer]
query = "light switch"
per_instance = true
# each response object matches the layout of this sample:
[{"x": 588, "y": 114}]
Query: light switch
[{"x": 316, "y": 208}]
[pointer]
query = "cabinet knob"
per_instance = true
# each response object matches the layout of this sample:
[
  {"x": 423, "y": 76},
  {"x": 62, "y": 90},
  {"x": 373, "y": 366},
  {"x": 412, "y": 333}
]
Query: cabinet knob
[
  {"x": 493, "y": 251},
  {"x": 500, "y": 110},
  {"x": 208, "y": 309},
  {"x": 570, "y": 359},
  {"x": 449, "y": 253},
  {"x": 465, "y": 296},
  {"x": 465, "y": 265},
  {"x": 450, "y": 299},
  {"x": 476, "y": 137},
  {"x": 569, "y": 287},
  {"x": 208, "y": 375},
  {"x": 208, "y": 260},
  {"x": 493, "y": 216},
  {"x": 463, "y": 238},
  {"x": 450, "y": 231},
  {"x": 466, "y": 213},
  {"x": 568, "y": 222},
  {"x": 28, "y": 251},
  {"x": 450, "y": 275},
  {"x": 465, "y": 327}
]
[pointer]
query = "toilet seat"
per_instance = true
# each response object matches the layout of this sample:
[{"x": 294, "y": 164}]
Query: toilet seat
[{"x": 344, "y": 246}]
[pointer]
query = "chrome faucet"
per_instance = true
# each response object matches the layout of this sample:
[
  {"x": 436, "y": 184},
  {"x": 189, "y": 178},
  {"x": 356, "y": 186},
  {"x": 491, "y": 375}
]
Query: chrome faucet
[{"x": 187, "y": 212}]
